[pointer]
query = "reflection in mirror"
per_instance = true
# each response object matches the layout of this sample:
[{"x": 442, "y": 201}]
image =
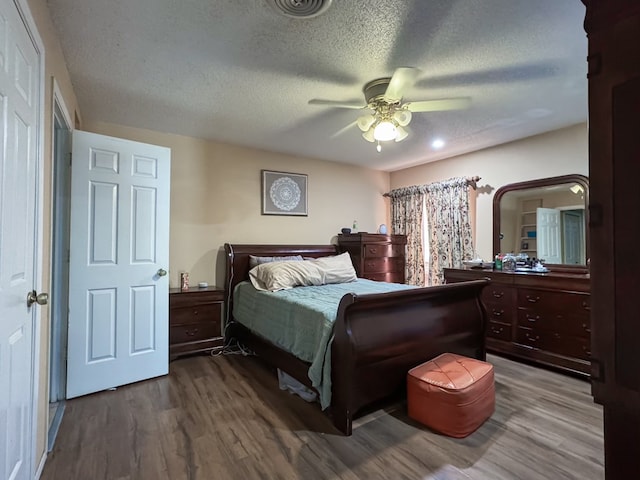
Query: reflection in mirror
[{"x": 546, "y": 219}]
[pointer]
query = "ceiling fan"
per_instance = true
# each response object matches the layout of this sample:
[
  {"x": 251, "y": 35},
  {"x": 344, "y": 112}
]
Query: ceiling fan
[{"x": 389, "y": 114}]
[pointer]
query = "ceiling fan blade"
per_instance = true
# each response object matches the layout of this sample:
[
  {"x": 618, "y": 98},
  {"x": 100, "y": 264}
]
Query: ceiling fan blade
[
  {"x": 334, "y": 103},
  {"x": 403, "y": 78},
  {"x": 343, "y": 130},
  {"x": 439, "y": 105}
]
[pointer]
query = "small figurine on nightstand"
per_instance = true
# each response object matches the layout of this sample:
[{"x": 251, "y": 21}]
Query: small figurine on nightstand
[{"x": 184, "y": 281}]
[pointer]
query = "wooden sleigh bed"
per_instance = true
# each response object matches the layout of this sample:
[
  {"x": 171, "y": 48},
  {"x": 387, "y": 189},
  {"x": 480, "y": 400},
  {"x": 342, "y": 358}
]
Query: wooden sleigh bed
[{"x": 377, "y": 337}]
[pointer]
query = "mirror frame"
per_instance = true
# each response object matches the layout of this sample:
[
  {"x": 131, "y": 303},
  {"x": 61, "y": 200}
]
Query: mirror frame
[{"x": 545, "y": 182}]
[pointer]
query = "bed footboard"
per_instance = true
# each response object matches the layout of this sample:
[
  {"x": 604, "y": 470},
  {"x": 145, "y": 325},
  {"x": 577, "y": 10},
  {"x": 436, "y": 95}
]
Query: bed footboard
[{"x": 378, "y": 338}]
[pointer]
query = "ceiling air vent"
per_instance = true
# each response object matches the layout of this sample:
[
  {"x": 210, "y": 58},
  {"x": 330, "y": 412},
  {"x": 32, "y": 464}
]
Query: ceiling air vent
[{"x": 301, "y": 8}]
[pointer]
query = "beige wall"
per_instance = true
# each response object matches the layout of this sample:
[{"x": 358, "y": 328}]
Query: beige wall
[
  {"x": 215, "y": 198},
  {"x": 560, "y": 152},
  {"x": 55, "y": 67}
]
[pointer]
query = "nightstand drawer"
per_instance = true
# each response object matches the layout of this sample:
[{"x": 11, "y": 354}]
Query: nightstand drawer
[
  {"x": 196, "y": 313},
  {"x": 194, "y": 332}
]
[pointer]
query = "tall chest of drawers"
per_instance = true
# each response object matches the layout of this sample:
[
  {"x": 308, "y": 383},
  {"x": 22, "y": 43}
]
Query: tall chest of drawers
[
  {"x": 376, "y": 256},
  {"x": 542, "y": 318}
]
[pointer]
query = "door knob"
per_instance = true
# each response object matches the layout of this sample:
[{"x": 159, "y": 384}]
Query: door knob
[
  {"x": 162, "y": 272},
  {"x": 39, "y": 298}
]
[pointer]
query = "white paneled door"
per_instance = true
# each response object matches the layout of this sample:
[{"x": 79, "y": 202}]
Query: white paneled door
[
  {"x": 549, "y": 235},
  {"x": 118, "y": 282},
  {"x": 19, "y": 171}
]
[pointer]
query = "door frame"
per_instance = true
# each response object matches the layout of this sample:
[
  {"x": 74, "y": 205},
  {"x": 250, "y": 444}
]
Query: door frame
[
  {"x": 39, "y": 315},
  {"x": 59, "y": 166}
]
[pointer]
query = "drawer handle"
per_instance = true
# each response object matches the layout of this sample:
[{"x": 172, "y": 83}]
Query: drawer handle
[
  {"x": 497, "y": 313},
  {"x": 586, "y": 350},
  {"x": 497, "y": 294},
  {"x": 531, "y": 337},
  {"x": 533, "y": 299},
  {"x": 532, "y": 319},
  {"x": 191, "y": 333},
  {"x": 497, "y": 330},
  {"x": 373, "y": 250},
  {"x": 195, "y": 312},
  {"x": 586, "y": 305},
  {"x": 587, "y": 328},
  {"x": 371, "y": 265}
]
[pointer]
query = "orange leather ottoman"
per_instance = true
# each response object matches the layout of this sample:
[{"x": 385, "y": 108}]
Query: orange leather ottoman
[{"x": 451, "y": 394}]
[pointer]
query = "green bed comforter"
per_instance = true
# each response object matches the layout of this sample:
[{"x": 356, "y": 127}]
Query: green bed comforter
[{"x": 300, "y": 320}]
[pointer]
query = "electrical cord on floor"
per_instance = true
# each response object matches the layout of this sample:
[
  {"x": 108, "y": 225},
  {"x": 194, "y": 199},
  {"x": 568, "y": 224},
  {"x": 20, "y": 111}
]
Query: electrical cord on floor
[{"x": 232, "y": 347}]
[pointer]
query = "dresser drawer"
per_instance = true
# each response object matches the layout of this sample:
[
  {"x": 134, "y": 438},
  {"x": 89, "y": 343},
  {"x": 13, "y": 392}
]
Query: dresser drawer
[
  {"x": 499, "y": 331},
  {"x": 383, "y": 250},
  {"x": 500, "y": 312},
  {"x": 384, "y": 264},
  {"x": 559, "y": 302},
  {"x": 194, "y": 332},
  {"x": 494, "y": 293},
  {"x": 555, "y": 342},
  {"x": 391, "y": 277},
  {"x": 207, "y": 312},
  {"x": 571, "y": 324}
]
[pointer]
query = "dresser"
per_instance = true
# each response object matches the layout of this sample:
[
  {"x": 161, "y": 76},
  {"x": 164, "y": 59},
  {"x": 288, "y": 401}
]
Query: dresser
[
  {"x": 195, "y": 320},
  {"x": 376, "y": 256},
  {"x": 542, "y": 318}
]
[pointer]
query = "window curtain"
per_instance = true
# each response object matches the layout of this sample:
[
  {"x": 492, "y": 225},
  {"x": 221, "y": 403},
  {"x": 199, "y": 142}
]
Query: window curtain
[
  {"x": 407, "y": 208},
  {"x": 450, "y": 238}
]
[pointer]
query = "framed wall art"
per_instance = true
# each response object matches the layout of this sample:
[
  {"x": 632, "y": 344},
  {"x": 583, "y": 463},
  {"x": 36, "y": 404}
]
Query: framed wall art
[{"x": 284, "y": 193}]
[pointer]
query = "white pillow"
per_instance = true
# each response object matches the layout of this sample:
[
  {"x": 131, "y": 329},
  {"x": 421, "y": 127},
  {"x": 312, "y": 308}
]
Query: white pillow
[
  {"x": 276, "y": 276},
  {"x": 337, "y": 269},
  {"x": 254, "y": 261}
]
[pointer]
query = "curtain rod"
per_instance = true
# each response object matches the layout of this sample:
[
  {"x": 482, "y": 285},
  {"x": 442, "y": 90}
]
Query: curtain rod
[{"x": 471, "y": 181}]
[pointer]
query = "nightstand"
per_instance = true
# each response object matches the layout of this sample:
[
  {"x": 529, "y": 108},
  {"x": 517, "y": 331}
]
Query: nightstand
[{"x": 195, "y": 320}]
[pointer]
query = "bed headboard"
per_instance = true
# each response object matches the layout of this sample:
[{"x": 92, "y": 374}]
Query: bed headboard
[{"x": 238, "y": 261}]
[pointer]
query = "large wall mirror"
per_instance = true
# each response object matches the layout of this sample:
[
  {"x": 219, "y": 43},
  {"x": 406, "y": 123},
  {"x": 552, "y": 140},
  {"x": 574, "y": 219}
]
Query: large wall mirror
[{"x": 545, "y": 218}]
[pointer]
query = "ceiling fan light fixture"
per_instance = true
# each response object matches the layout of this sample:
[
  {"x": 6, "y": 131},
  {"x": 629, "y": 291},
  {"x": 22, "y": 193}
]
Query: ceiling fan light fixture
[
  {"x": 368, "y": 135},
  {"x": 401, "y": 134},
  {"x": 402, "y": 117},
  {"x": 385, "y": 131},
  {"x": 365, "y": 122}
]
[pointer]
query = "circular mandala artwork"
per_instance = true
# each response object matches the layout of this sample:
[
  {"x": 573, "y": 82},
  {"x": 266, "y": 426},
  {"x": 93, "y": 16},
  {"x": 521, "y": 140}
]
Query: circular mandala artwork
[{"x": 285, "y": 194}]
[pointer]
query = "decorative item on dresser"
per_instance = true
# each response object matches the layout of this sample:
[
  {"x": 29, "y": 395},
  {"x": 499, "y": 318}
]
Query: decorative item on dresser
[
  {"x": 195, "y": 320},
  {"x": 376, "y": 256},
  {"x": 543, "y": 318}
]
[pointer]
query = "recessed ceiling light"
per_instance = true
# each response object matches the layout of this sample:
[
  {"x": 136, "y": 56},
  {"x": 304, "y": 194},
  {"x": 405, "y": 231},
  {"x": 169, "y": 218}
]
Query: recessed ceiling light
[{"x": 437, "y": 144}]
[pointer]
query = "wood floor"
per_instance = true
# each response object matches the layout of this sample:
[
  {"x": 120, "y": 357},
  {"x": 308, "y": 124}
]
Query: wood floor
[{"x": 224, "y": 417}]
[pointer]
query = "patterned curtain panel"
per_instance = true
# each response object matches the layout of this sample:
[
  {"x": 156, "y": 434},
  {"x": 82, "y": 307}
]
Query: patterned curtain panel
[
  {"x": 450, "y": 240},
  {"x": 407, "y": 207}
]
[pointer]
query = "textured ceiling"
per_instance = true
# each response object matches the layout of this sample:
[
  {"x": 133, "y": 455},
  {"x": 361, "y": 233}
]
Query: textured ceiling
[{"x": 240, "y": 72}]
